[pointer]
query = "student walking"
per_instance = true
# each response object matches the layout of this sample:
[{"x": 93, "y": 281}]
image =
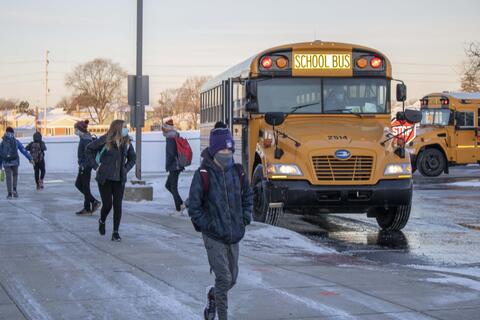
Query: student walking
[
  {"x": 82, "y": 183},
  {"x": 112, "y": 156},
  {"x": 220, "y": 206},
  {"x": 10, "y": 160},
  {"x": 37, "y": 149},
  {"x": 172, "y": 165}
]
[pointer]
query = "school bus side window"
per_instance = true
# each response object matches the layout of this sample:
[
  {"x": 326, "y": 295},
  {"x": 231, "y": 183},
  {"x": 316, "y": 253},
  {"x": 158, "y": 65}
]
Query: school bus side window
[{"x": 465, "y": 119}]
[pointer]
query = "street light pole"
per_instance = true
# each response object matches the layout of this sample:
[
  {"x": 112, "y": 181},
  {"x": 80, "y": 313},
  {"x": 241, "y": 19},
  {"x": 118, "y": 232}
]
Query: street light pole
[
  {"x": 46, "y": 93},
  {"x": 138, "y": 90}
]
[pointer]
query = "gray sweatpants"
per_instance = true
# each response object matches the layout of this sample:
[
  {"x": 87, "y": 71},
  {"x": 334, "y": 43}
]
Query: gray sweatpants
[
  {"x": 223, "y": 260},
  {"x": 11, "y": 176}
]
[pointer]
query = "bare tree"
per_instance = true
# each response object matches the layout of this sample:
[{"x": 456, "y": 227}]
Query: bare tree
[
  {"x": 97, "y": 85},
  {"x": 470, "y": 81},
  {"x": 185, "y": 99}
]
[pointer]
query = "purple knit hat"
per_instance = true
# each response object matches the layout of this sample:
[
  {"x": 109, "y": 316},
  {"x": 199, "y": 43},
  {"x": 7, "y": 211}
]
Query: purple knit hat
[{"x": 220, "y": 138}]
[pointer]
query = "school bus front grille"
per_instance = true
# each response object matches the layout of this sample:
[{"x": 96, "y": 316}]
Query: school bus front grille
[{"x": 329, "y": 168}]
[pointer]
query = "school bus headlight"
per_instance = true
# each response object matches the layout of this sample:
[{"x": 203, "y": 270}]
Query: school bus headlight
[
  {"x": 398, "y": 169},
  {"x": 284, "y": 169}
]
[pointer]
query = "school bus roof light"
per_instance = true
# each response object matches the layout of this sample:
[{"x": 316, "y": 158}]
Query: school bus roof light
[
  {"x": 424, "y": 102},
  {"x": 362, "y": 63},
  {"x": 444, "y": 101},
  {"x": 376, "y": 62},
  {"x": 281, "y": 62},
  {"x": 266, "y": 62}
]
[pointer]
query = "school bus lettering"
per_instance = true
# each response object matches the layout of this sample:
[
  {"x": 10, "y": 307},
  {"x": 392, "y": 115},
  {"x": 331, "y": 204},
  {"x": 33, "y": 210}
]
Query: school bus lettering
[
  {"x": 322, "y": 61},
  {"x": 337, "y": 138}
]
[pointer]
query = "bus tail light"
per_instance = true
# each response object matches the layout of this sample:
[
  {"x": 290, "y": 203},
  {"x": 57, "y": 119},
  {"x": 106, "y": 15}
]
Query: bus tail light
[
  {"x": 376, "y": 62},
  {"x": 266, "y": 62},
  {"x": 281, "y": 62},
  {"x": 362, "y": 63},
  {"x": 424, "y": 102},
  {"x": 444, "y": 101}
]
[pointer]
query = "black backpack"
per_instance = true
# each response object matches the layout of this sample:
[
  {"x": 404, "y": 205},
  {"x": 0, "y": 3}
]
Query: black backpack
[
  {"x": 36, "y": 152},
  {"x": 9, "y": 151}
]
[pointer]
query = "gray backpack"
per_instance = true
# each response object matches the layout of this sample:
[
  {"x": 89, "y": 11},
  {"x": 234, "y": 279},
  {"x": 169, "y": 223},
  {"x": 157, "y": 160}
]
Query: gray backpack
[{"x": 8, "y": 150}]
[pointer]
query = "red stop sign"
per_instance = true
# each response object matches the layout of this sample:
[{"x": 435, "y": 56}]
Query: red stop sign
[{"x": 404, "y": 130}]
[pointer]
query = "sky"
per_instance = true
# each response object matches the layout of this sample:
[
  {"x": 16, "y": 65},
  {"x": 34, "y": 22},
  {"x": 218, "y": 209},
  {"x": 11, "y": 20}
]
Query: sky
[{"x": 424, "y": 40}]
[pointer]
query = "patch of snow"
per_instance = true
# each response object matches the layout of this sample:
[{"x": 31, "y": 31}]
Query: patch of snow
[
  {"x": 464, "y": 282},
  {"x": 463, "y": 271},
  {"x": 470, "y": 183},
  {"x": 283, "y": 240}
]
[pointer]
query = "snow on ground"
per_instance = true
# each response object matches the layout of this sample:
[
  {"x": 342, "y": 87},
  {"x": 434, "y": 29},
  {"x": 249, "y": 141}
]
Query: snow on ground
[
  {"x": 464, "y": 282},
  {"x": 280, "y": 240},
  {"x": 469, "y": 183},
  {"x": 462, "y": 271}
]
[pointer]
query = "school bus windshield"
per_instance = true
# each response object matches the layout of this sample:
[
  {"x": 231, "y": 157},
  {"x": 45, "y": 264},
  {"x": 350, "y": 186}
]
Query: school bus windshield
[
  {"x": 435, "y": 117},
  {"x": 339, "y": 96}
]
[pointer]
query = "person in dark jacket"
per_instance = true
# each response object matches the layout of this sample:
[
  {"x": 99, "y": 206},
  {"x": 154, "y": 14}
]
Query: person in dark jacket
[
  {"x": 37, "y": 149},
  {"x": 10, "y": 161},
  {"x": 116, "y": 157},
  {"x": 82, "y": 183},
  {"x": 221, "y": 214},
  {"x": 171, "y": 163}
]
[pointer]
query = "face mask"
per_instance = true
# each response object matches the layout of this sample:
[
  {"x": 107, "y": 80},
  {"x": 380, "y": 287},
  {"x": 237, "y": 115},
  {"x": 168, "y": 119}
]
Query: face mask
[
  {"x": 224, "y": 159},
  {"x": 124, "y": 132}
]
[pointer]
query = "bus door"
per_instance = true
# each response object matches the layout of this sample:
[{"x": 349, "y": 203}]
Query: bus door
[
  {"x": 465, "y": 136},
  {"x": 235, "y": 117}
]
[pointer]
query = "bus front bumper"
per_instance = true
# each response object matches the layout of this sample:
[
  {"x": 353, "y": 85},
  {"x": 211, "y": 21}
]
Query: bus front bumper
[{"x": 300, "y": 195}]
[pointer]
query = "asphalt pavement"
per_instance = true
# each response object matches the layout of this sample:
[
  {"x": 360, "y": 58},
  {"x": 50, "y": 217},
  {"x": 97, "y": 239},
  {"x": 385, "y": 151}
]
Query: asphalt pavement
[{"x": 55, "y": 265}]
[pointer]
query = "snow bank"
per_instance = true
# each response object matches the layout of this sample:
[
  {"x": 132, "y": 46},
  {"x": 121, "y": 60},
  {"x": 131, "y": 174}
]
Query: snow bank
[
  {"x": 61, "y": 153},
  {"x": 470, "y": 183}
]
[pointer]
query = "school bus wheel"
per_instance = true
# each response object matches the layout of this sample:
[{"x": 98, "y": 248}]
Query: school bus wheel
[
  {"x": 431, "y": 162},
  {"x": 260, "y": 203},
  {"x": 394, "y": 218}
]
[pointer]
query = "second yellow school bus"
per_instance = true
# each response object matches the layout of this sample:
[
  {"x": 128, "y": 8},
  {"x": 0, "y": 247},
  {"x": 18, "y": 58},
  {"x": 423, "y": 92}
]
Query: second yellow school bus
[{"x": 311, "y": 123}]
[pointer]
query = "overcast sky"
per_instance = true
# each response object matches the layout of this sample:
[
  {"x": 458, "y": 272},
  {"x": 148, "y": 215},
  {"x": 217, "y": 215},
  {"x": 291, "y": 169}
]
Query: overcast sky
[{"x": 425, "y": 40}]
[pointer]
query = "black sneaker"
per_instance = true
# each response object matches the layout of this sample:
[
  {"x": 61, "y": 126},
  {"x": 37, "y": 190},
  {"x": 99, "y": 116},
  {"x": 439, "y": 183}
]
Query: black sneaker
[
  {"x": 116, "y": 237},
  {"x": 95, "y": 205},
  {"x": 101, "y": 227},
  {"x": 83, "y": 212},
  {"x": 9, "y": 195},
  {"x": 211, "y": 309},
  {"x": 15, "y": 194}
]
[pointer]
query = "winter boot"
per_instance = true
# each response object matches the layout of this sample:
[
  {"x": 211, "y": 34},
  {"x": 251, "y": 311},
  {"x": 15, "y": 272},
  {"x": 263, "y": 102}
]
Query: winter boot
[
  {"x": 116, "y": 237},
  {"x": 9, "y": 196},
  {"x": 38, "y": 185},
  {"x": 210, "y": 309},
  {"x": 15, "y": 193},
  {"x": 95, "y": 205},
  {"x": 101, "y": 227},
  {"x": 41, "y": 184},
  {"x": 84, "y": 212}
]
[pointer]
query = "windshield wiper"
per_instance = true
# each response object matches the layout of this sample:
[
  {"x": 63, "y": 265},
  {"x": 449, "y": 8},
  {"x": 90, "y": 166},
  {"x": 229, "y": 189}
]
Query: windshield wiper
[
  {"x": 295, "y": 108},
  {"x": 342, "y": 111}
]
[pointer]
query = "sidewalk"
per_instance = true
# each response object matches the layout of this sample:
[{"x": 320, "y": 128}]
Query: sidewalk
[{"x": 55, "y": 265}]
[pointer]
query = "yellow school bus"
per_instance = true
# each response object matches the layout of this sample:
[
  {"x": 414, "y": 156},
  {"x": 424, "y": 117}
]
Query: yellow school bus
[
  {"x": 448, "y": 134},
  {"x": 311, "y": 123}
]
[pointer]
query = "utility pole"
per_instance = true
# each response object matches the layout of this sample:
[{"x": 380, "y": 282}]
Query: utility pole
[
  {"x": 138, "y": 89},
  {"x": 46, "y": 93}
]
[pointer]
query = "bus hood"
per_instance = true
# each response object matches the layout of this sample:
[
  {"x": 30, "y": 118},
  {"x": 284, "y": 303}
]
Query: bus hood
[{"x": 327, "y": 133}]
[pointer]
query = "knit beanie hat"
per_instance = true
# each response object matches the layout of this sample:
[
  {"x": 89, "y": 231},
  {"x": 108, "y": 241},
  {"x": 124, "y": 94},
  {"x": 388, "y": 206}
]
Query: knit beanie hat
[
  {"x": 10, "y": 129},
  {"x": 168, "y": 125},
  {"x": 220, "y": 138},
  {"x": 82, "y": 126}
]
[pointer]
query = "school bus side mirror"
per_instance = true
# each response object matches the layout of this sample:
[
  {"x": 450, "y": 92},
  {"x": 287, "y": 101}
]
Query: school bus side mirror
[
  {"x": 410, "y": 115},
  {"x": 274, "y": 118},
  {"x": 401, "y": 92},
  {"x": 251, "y": 94}
]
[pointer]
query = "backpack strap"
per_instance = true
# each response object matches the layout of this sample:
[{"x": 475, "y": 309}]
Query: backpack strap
[
  {"x": 241, "y": 174},
  {"x": 205, "y": 180}
]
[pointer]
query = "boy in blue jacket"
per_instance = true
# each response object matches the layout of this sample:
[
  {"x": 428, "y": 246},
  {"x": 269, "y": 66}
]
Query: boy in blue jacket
[
  {"x": 220, "y": 206},
  {"x": 10, "y": 161}
]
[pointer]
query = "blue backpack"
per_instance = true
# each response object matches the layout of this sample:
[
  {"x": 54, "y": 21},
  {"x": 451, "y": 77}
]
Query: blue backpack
[{"x": 8, "y": 150}]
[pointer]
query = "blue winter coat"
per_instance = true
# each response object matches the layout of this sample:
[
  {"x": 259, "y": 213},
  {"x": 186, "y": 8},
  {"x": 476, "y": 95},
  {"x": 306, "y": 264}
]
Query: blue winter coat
[
  {"x": 20, "y": 147},
  {"x": 223, "y": 213}
]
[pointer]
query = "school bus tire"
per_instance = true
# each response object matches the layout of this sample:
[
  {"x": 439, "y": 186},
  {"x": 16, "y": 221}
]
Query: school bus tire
[
  {"x": 431, "y": 162},
  {"x": 393, "y": 219},
  {"x": 260, "y": 203}
]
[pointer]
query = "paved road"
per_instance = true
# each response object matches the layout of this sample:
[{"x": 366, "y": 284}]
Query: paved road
[{"x": 54, "y": 265}]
